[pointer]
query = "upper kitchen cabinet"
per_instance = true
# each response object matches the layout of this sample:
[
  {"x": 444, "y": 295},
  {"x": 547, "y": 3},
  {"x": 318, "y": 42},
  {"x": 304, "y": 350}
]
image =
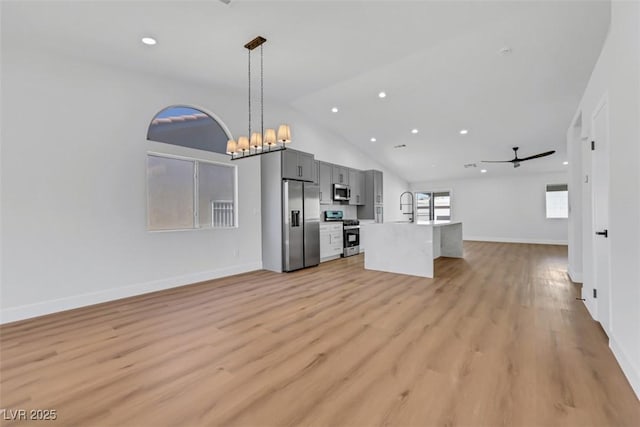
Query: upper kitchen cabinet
[
  {"x": 373, "y": 198},
  {"x": 316, "y": 172},
  {"x": 298, "y": 165},
  {"x": 340, "y": 175},
  {"x": 356, "y": 182},
  {"x": 324, "y": 178},
  {"x": 377, "y": 187}
]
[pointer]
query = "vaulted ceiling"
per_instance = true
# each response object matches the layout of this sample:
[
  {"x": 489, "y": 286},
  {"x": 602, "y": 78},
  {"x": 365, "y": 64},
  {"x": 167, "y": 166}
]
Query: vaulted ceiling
[{"x": 440, "y": 63}]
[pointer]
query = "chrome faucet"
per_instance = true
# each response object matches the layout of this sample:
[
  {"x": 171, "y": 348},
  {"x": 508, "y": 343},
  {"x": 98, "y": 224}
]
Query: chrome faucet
[{"x": 407, "y": 204}]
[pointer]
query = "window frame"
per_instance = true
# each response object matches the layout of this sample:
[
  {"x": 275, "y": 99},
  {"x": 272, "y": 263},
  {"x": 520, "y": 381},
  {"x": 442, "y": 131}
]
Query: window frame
[
  {"x": 546, "y": 211},
  {"x": 196, "y": 192},
  {"x": 432, "y": 206}
]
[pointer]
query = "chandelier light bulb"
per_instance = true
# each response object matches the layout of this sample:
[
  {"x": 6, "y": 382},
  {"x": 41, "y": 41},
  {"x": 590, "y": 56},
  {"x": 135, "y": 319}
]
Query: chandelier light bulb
[
  {"x": 243, "y": 144},
  {"x": 232, "y": 147},
  {"x": 284, "y": 134},
  {"x": 269, "y": 137}
]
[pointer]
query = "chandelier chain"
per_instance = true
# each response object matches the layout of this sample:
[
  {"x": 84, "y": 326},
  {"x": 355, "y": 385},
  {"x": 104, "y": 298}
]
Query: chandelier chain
[
  {"x": 262, "y": 94},
  {"x": 249, "y": 92}
]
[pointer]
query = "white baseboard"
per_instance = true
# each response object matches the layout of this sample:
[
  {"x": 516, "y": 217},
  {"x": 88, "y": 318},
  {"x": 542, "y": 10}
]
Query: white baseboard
[
  {"x": 630, "y": 371},
  {"x": 575, "y": 277},
  {"x": 28, "y": 311},
  {"x": 517, "y": 240}
]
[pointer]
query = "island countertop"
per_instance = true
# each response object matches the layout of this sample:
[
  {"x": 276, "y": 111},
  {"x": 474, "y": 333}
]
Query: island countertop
[
  {"x": 410, "y": 247},
  {"x": 439, "y": 223}
]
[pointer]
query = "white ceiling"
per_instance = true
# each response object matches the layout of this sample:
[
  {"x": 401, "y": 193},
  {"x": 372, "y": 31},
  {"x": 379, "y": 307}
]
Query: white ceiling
[{"x": 439, "y": 63}]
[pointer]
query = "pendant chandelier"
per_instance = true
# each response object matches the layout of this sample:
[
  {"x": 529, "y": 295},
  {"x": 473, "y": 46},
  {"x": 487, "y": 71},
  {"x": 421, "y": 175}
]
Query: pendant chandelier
[{"x": 264, "y": 140}]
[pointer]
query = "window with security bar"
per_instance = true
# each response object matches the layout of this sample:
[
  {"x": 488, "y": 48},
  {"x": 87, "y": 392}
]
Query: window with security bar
[
  {"x": 433, "y": 205},
  {"x": 185, "y": 193}
]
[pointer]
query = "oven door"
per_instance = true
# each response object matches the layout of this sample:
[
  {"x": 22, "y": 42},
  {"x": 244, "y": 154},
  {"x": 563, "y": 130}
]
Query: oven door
[{"x": 351, "y": 236}]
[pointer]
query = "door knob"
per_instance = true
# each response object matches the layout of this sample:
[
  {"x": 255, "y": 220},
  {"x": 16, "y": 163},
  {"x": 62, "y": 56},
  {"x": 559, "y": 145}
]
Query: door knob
[{"x": 604, "y": 233}]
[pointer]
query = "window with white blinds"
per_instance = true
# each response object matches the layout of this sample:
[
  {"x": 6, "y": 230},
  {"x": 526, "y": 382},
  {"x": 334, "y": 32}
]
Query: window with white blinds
[
  {"x": 557, "y": 201},
  {"x": 184, "y": 193}
]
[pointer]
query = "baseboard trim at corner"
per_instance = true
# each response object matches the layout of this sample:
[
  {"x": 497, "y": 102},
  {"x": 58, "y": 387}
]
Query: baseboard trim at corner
[
  {"x": 630, "y": 371},
  {"x": 516, "y": 240},
  {"x": 14, "y": 314}
]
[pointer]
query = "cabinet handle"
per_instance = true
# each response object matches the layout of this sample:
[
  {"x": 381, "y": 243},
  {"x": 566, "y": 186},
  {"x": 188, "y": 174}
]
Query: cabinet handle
[{"x": 321, "y": 195}]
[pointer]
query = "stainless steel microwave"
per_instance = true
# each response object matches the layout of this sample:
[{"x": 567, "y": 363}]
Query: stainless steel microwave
[{"x": 341, "y": 192}]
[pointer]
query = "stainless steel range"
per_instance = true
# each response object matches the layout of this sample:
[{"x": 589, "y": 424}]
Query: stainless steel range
[
  {"x": 351, "y": 237},
  {"x": 350, "y": 232}
]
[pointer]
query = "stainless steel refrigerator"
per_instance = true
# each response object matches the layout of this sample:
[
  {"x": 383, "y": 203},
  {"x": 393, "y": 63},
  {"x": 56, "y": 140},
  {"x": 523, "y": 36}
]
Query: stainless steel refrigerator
[{"x": 301, "y": 224}]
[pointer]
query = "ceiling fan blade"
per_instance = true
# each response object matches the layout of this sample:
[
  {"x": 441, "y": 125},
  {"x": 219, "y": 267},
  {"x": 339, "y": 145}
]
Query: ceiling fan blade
[
  {"x": 496, "y": 161},
  {"x": 536, "y": 156}
]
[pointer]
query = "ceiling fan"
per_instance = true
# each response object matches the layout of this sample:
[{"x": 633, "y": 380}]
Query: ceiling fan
[{"x": 516, "y": 161}]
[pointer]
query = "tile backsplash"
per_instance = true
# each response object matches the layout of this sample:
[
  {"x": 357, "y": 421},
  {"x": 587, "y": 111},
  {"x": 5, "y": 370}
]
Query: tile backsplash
[{"x": 350, "y": 212}]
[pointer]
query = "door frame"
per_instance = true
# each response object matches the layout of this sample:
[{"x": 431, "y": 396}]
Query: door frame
[{"x": 604, "y": 102}]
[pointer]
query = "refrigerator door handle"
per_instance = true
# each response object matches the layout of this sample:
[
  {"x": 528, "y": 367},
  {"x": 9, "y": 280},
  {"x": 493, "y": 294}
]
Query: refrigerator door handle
[{"x": 295, "y": 218}]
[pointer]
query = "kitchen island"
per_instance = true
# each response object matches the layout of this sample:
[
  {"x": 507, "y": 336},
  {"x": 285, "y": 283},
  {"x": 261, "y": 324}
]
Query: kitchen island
[{"x": 409, "y": 247}]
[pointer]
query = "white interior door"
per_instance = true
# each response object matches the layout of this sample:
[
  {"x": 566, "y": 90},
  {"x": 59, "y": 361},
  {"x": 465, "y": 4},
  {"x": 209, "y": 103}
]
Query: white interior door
[{"x": 600, "y": 229}]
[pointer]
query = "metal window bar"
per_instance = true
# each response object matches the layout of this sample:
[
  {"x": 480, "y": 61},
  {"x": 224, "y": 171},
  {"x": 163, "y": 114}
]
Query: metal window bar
[{"x": 222, "y": 213}]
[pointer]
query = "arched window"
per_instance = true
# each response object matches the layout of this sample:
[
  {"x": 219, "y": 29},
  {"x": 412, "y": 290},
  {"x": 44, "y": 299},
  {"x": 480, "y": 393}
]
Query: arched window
[
  {"x": 190, "y": 192},
  {"x": 189, "y": 127}
]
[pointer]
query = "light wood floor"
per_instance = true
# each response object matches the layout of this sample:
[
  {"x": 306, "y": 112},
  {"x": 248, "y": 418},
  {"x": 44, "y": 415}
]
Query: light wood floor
[{"x": 497, "y": 340}]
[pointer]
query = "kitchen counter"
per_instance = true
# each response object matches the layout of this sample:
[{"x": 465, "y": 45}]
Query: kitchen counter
[{"x": 410, "y": 248}]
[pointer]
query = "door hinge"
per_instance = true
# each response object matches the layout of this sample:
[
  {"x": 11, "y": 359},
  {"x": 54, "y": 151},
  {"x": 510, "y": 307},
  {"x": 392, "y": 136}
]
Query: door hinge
[
  {"x": 593, "y": 145},
  {"x": 595, "y": 293}
]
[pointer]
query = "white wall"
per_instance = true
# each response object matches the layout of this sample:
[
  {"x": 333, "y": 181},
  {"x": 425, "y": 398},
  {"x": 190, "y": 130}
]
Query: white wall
[
  {"x": 73, "y": 184},
  {"x": 617, "y": 75},
  {"x": 503, "y": 209}
]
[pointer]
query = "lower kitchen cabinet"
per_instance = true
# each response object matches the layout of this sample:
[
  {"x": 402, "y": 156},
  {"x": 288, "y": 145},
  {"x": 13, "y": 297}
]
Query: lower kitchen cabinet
[{"x": 331, "y": 245}]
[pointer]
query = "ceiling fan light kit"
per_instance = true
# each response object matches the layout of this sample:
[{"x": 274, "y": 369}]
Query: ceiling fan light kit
[
  {"x": 267, "y": 140},
  {"x": 516, "y": 161}
]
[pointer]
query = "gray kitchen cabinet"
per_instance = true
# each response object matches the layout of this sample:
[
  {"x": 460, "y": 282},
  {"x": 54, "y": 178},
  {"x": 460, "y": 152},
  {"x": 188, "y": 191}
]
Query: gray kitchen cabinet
[
  {"x": 340, "y": 175},
  {"x": 356, "y": 183},
  {"x": 373, "y": 197},
  {"x": 331, "y": 243},
  {"x": 324, "y": 178},
  {"x": 297, "y": 165},
  {"x": 377, "y": 187},
  {"x": 316, "y": 172},
  {"x": 307, "y": 165}
]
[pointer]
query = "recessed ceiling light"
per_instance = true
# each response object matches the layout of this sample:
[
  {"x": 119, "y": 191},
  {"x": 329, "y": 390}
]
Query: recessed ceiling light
[
  {"x": 382, "y": 95},
  {"x": 373, "y": 140},
  {"x": 334, "y": 110},
  {"x": 464, "y": 132},
  {"x": 414, "y": 131},
  {"x": 483, "y": 171},
  {"x": 565, "y": 163},
  {"x": 149, "y": 41}
]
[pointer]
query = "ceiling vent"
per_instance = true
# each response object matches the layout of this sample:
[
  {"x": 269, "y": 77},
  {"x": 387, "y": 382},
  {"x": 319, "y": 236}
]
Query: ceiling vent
[
  {"x": 470, "y": 165},
  {"x": 226, "y": 1},
  {"x": 400, "y": 146}
]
